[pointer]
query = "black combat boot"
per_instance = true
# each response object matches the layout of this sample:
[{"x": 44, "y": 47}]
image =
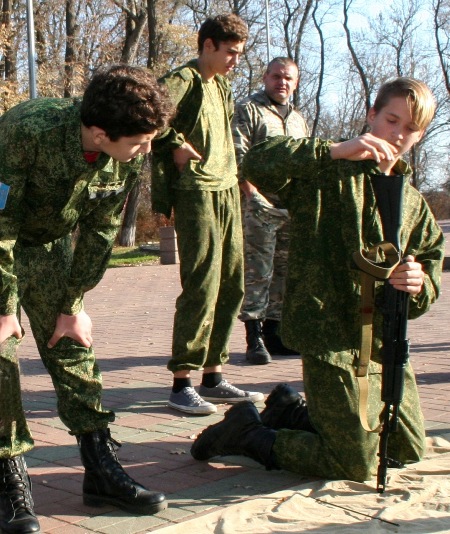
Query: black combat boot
[
  {"x": 240, "y": 433},
  {"x": 286, "y": 408},
  {"x": 273, "y": 341},
  {"x": 106, "y": 482},
  {"x": 256, "y": 351},
  {"x": 16, "y": 504}
]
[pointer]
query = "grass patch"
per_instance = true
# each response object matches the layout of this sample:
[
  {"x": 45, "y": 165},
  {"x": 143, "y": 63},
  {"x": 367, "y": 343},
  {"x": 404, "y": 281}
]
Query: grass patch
[{"x": 132, "y": 256}]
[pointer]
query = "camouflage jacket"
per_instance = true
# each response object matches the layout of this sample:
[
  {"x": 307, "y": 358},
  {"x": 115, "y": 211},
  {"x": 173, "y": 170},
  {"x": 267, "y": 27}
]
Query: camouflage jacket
[
  {"x": 52, "y": 189},
  {"x": 333, "y": 212},
  {"x": 255, "y": 119},
  {"x": 185, "y": 88}
]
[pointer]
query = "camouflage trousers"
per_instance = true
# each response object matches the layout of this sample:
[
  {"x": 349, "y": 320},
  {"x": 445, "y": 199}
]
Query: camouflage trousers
[
  {"x": 209, "y": 237},
  {"x": 266, "y": 246},
  {"x": 342, "y": 449},
  {"x": 41, "y": 272}
]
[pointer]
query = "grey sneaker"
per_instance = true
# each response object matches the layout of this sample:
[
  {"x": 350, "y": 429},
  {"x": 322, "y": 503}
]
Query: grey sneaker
[
  {"x": 189, "y": 401},
  {"x": 225, "y": 392}
]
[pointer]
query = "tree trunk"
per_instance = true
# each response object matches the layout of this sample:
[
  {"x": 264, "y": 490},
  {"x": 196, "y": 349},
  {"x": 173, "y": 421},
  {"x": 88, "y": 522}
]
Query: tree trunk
[
  {"x": 128, "y": 231},
  {"x": 152, "y": 34},
  {"x": 69, "y": 60},
  {"x": 134, "y": 26},
  {"x": 8, "y": 65},
  {"x": 318, "y": 26},
  {"x": 356, "y": 62}
]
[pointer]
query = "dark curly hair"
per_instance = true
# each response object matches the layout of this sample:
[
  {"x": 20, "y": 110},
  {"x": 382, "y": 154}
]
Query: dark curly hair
[
  {"x": 125, "y": 101},
  {"x": 222, "y": 28}
]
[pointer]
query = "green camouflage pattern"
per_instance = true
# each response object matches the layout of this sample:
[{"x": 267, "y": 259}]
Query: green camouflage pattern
[
  {"x": 42, "y": 272},
  {"x": 266, "y": 246},
  {"x": 205, "y": 199},
  {"x": 255, "y": 119},
  {"x": 209, "y": 235},
  {"x": 333, "y": 214},
  {"x": 342, "y": 449},
  {"x": 266, "y": 222},
  {"x": 193, "y": 123},
  {"x": 52, "y": 190}
]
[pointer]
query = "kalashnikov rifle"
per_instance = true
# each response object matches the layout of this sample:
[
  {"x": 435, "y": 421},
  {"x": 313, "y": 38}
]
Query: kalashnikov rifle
[
  {"x": 394, "y": 308},
  {"x": 377, "y": 264}
]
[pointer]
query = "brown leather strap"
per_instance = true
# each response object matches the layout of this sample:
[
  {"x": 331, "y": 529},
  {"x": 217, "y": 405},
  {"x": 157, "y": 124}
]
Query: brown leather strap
[{"x": 369, "y": 262}]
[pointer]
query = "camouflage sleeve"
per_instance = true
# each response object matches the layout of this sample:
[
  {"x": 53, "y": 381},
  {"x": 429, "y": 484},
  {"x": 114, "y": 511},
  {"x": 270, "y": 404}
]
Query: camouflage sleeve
[
  {"x": 9, "y": 229},
  {"x": 16, "y": 151},
  {"x": 177, "y": 87},
  {"x": 426, "y": 243},
  {"x": 242, "y": 128},
  {"x": 274, "y": 163},
  {"x": 169, "y": 139},
  {"x": 98, "y": 230},
  {"x": 229, "y": 102}
]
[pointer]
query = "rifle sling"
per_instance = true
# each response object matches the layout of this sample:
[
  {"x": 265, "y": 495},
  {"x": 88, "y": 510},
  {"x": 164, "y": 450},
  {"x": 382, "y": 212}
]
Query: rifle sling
[{"x": 369, "y": 263}]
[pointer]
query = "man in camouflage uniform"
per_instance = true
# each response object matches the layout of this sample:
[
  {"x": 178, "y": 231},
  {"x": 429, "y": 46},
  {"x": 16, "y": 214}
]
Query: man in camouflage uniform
[
  {"x": 67, "y": 163},
  {"x": 334, "y": 214},
  {"x": 266, "y": 221},
  {"x": 195, "y": 172}
]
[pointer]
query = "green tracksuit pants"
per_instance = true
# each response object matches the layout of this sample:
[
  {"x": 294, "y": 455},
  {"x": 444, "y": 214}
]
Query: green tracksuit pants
[
  {"x": 209, "y": 236},
  {"x": 342, "y": 449},
  {"x": 41, "y": 273}
]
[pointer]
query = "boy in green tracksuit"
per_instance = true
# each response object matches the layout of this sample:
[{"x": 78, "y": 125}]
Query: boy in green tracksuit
[
  {"x": 334, "y": 213},
  {"x": 67, "y": 163},
  {"x": 194, "y": 171}
]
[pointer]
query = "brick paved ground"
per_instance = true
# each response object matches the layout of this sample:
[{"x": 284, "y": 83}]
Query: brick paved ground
[{"x": 132, "y": 310}]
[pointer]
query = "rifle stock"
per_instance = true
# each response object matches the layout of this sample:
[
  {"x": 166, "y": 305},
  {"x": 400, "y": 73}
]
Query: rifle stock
[{"x": 394, "y": 308}]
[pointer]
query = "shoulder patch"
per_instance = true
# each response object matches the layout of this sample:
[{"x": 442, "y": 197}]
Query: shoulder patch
[{"x": 4, "y": 191}]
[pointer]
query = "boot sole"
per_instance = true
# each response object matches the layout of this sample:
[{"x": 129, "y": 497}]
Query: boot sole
[
  {"x": 212, "y": 437},
  {"x": 258, "y": 360},
  {"x": 98, "y": 502},
  {"x": 234, "y": 400},
  {"x": 193, "y": 410},
  {"x": 283, "y": 395}
]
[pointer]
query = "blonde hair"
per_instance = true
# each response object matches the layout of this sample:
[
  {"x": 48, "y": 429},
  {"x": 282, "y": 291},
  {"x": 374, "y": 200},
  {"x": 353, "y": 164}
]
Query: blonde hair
[{"x": 421, "y": 101}]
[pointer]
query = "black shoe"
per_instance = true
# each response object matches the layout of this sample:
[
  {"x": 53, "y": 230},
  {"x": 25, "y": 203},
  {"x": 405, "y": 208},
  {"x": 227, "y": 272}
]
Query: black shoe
[
  {"x": 105, "y": 480},
  {"x": 256, "y": 353},
  {"x": 286, "y": 408},
  {"x": 273, "y": 341},
  {"x": 16, "y": 504},
  {"x": 240, "y": 433}
]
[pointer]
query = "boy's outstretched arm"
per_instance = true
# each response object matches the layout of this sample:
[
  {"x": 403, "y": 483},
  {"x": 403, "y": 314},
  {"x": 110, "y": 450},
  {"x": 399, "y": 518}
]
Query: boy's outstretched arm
[{"x": 365, "y": 146}]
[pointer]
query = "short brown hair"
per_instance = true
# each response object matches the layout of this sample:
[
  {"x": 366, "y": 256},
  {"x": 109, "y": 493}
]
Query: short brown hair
[
  {"x": 222, "y": 28},
  {"x": 125, "y": 101},
  {"x": 421, "y": 101},
  {"x": 285, "y": 61}
]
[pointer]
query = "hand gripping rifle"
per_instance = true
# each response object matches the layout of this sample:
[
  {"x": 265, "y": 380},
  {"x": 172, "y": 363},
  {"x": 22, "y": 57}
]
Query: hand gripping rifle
[
  {"x": 389, "y": 196},
  {"x": 394, "y": 308}
]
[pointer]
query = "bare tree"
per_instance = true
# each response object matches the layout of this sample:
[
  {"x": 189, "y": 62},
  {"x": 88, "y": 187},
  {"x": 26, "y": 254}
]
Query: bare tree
[
  {"x": 318, "y": 27},
  {"x": 441, "y": 20},
  {"x": 70, "y": 56},
  {"x": 135, "y": 12},
  {"x": 355, "y": 58},
  {"x": 396, "y": 28},
  {"x": 8, "y": 59}
]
